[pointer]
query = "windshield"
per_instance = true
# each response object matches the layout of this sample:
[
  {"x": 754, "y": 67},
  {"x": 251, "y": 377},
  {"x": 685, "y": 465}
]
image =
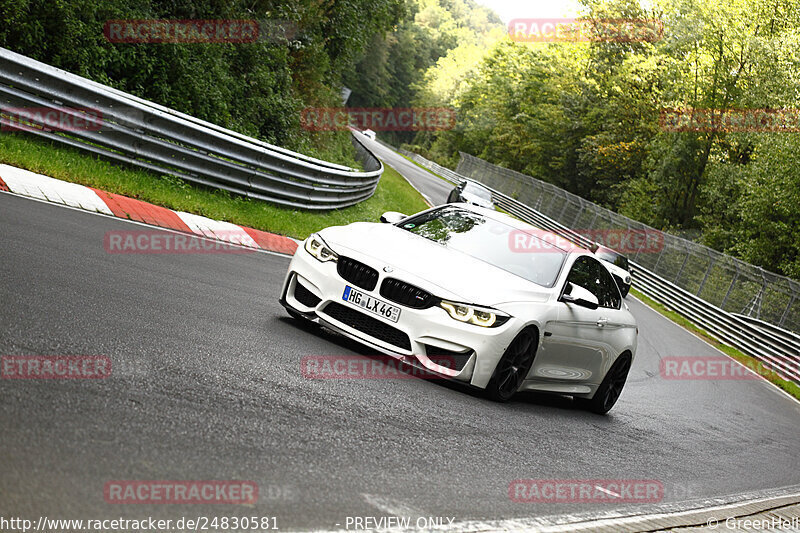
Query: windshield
[
  {"x": 478, "y": 191},
  {"x": 490, "y": 241},
  {"x": 612, "y": 257}
]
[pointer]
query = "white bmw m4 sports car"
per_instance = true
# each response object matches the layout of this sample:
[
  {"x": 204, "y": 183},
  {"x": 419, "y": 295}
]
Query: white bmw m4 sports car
[{"x": 472, "y": 295}]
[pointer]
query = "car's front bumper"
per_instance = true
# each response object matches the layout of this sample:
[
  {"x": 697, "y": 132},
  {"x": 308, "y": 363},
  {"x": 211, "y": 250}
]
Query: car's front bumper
[{"x": 435, "y": 341}]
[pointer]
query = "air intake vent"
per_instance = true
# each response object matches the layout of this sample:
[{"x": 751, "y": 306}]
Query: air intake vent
[
  {"x": 453, "y": 360},
  {"x": 368, "y": 325},
  {"x": 305, "y": 296}
]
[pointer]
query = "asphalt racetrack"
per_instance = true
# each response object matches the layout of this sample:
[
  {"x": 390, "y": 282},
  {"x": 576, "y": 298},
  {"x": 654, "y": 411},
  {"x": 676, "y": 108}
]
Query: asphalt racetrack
[{"x": 206, "y": 385}]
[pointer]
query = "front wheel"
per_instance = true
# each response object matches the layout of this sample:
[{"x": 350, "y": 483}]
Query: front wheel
[
  {"x": 513, "y": 366},
  {"x": 611, "y": 387}
]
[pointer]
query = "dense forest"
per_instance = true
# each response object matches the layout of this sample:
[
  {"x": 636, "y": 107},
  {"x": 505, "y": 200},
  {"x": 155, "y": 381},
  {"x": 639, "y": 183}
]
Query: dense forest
[
  {"x": 586, "y": 115},
  {"x": 433, "y": 48}
]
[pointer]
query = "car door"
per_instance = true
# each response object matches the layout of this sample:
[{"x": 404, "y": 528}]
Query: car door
[
  {"x": 576, "y": 346},
  {"x": 614, "y": 319}
]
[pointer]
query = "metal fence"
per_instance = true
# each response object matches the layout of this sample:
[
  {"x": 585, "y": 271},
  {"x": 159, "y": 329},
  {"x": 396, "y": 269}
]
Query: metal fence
[
  {"x": 719, "y": 279},
  {"x": 778, "y": 348},
  {"x": 134, "y": 131}
]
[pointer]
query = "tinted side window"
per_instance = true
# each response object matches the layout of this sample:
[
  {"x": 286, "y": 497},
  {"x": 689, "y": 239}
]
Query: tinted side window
[
  {"x": 583, "y": 275},
  {"x": 609, "y": 293},
  {"x": 592, "y": 276}
]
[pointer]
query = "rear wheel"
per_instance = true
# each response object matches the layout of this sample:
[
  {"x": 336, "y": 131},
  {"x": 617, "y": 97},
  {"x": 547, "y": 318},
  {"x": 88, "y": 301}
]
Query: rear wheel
[
  {"x": 611, "y": 387},
  {"x": 513, "y": 366}
]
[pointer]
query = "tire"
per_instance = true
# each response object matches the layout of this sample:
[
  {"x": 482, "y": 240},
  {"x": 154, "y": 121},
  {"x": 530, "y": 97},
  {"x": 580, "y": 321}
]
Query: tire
[
  {"x": 610, "y": 389},
  {"x": 513, "y": 366},
  {"x": 624, "y": 290}
]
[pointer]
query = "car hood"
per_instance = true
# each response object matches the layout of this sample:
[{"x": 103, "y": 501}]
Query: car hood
[{"x": 445, "y": 273}]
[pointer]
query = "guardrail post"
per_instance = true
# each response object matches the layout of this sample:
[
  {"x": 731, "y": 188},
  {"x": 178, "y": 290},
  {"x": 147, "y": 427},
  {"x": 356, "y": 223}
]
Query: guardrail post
[
  {"x": 594, "y": 219},
  {"x": 786, "y": 311},
  {"x": 680, "y": 270},
  {"x": 563, "y": 209},
  {"x": 733, "y": 282},
  {"x": 658, "y": 260},
  {"x": 705, "y": 278},
  {"x": 763, "y": 290},
  {"x": 578, "y": 216},
  {"x": 552, "y": 201}
]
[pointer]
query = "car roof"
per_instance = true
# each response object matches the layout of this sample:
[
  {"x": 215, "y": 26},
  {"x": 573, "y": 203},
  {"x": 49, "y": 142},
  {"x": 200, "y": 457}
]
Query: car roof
[
  {"x": 520, "y": 225},
  {"x": 476, "y": 184}
]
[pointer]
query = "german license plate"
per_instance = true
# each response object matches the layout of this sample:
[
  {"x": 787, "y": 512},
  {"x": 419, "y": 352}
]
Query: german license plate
[{"x": 373, "y": 305}]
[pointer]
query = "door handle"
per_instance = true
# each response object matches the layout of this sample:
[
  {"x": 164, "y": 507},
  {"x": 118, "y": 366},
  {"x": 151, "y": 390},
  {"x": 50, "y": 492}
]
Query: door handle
[{"x": 602, "y": 322}]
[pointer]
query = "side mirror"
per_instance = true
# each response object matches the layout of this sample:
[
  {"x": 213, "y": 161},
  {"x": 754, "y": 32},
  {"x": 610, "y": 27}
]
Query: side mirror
[
  {"x": 392, "y": 217},
  {"x": 574, "y": 294}
]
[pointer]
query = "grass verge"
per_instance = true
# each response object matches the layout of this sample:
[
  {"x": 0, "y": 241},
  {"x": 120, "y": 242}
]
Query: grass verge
[
  {"x": 393, "y": 192},
  {"x": 750, "y": 362}
]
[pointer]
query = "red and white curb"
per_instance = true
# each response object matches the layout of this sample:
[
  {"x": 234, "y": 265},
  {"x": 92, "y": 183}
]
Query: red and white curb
[{"x": 26, "y": 183}]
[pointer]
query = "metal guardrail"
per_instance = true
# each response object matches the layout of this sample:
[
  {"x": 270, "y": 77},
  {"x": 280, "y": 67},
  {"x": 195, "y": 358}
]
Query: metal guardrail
[
  {"x": 777, "y": 348},
  {"x": 782, "y": 334},
  {"x": 144, "y": 134}
]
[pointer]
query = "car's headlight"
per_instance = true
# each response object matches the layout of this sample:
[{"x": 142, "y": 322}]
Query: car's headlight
[
  {"x": 321, "y": 251},
  {"x": 627, "y": 280},
  {"x": 478, "y": 316}
]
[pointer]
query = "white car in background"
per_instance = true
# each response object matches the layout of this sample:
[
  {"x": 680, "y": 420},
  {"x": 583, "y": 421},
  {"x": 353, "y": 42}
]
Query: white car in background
[
  {"x": 369, "y": 134},
  {"x": 446, "y": 291},
  {"x": 470, "y": 192},
  {"x": 617, "y": 264}
]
